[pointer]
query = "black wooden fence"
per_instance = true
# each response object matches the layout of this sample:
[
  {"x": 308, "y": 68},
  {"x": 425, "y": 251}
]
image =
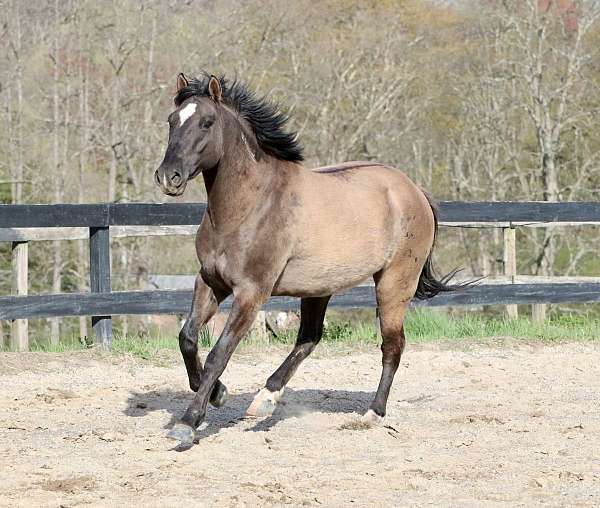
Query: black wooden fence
[{"x": 101, "y": 302}]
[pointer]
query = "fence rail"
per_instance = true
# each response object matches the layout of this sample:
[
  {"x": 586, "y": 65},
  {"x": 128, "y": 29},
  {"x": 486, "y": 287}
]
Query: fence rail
[
  {"x": 175, "y": 301},
  {"x": 21, "y": 224},
  {"x": 174, "y": 214}
]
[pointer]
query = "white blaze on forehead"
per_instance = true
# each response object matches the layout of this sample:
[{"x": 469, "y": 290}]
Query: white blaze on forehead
[{"x": 186, "y": 112}]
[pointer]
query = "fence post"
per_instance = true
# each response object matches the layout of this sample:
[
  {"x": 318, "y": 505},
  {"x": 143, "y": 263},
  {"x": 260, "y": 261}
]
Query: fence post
[
  {"x": 19, "y": 337},
  {"x": 100, "y": 280},
  {"x": 538, "y": 312},
  {"x": 510, "y": 264}
]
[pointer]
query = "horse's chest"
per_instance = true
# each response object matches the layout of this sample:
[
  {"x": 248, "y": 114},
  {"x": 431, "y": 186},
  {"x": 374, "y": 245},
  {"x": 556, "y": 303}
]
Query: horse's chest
[
  {"x": 238, "y": 256},
  {"x": 214, "y": 265},
  {"x": 218, "y": 258}
]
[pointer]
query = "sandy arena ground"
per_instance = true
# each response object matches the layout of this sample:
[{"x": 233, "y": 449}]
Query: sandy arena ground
[{"x": 469, "y": 425}]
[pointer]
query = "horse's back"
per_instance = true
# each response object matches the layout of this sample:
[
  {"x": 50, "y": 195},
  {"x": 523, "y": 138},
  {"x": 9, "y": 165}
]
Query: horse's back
[
  {"x": 353, "y": 181},
  {"x": 364, "y": 173},
  {"x": 346, "y": 166}
]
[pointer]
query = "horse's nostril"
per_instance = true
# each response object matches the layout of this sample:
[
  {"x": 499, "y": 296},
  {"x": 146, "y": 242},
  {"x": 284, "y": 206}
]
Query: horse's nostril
[
  {"x": 176, "y": 178},
  {"x": 156, "y": 178}
]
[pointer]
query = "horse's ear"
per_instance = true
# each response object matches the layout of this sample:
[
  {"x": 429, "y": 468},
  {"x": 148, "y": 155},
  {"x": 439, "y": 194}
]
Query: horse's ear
[
  {"x": 214, "y": 88},
  {"x": 182, "y": 81}
]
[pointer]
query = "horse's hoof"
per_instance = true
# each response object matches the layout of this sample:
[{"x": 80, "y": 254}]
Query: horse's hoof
[
  {"x": 372, "y": 419},
  {"x": 219, "y": 395},
  {"x": 182, "y": 433},
  {"x": 264, "y": 403}
]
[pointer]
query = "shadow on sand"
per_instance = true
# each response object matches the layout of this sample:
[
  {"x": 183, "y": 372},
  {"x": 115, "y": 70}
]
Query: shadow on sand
[{"x": 295, "y": 403}]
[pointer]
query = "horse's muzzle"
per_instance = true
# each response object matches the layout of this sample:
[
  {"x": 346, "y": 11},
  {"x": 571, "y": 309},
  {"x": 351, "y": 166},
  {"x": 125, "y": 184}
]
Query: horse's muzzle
[{"x": 173, "y": 185}]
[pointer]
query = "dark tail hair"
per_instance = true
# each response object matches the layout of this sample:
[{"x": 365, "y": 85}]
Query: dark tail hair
[{"x": 429, "y": 282}]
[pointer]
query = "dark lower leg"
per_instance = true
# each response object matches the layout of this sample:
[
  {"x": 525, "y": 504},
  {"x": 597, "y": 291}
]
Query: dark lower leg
[
  {"x": 204, "y": 306},
  {"x": 241, "y": 317},
  {"x": 188, "y": 344},
  {"x": 312, "y": 314},
  {"x": 392, "y": 347}
]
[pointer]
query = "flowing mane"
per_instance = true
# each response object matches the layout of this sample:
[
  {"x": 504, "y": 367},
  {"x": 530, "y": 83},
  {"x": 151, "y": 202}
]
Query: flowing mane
[{"x": 265, "y": 118}]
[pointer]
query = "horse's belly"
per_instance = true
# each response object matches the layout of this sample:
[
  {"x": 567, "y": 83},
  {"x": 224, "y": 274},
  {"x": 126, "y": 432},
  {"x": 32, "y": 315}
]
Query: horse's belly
[
  {"x": 338, "y": 252},
  {"x": 316, "y": 277}
]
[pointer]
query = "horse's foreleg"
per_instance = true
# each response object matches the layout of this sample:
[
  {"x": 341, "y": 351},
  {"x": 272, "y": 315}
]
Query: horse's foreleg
[
  {"x": 312, "y": 314},
  {"x": 243, "y": 312},
  {"x": 204, "y": 305}
]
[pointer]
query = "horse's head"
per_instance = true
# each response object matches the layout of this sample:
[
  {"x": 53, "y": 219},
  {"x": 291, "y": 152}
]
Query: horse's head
[{"x": 195, "y": 138}]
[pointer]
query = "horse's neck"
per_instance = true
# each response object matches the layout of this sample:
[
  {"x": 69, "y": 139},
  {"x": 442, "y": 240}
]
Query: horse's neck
[{"x": 234, "y": 186}]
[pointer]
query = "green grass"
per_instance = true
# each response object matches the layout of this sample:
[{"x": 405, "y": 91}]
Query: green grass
[
  {"x": 421, "y": 326},
  {"x": 427, "y": 326},
  {"x": 144, "y": 347},
  {"x": 42, "y": 346},
  {"x": 336, "y": 331}
]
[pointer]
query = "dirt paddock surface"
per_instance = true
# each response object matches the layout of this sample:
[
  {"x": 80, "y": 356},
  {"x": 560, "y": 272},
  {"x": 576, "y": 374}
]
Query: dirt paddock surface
[{"x": 469, "y": 425}]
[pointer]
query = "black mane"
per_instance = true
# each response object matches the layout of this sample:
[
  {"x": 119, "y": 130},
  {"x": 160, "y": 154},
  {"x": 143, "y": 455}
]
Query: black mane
[{"x": 264, "y": 117}]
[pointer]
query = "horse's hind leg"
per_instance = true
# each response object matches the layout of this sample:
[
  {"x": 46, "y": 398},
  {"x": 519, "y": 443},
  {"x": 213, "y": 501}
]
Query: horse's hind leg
[
  {"x": 312, "y": 314},
  {"x": 204, "y": 305},
  {"x": 393, "y": 295}
]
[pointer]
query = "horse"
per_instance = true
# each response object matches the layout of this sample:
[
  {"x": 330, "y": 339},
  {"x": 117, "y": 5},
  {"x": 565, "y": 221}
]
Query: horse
[{"x": 275, "y": 227}]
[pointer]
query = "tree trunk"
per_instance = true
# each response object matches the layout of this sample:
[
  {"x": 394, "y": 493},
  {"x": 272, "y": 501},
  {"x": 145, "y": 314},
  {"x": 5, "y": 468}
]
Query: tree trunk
[
  {"x": 112, "y": 173},
  {"x": 84, "y": 137},
  {"x": 56, "y": 172}
]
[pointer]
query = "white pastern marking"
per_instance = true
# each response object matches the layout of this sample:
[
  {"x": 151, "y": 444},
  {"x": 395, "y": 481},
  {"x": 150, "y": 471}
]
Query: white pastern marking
[
  {"x": 265, "y": 394},
  {"x": 372, "y": 418},
  {"x": 277, "y": 395},
  {"x": 186, "y": 112}
]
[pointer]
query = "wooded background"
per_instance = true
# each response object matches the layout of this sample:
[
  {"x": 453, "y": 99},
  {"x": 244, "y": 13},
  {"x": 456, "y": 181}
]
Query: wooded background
[{"x": 474, "y": 99}]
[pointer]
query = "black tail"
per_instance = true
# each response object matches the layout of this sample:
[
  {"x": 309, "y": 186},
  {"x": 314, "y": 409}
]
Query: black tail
[{"x": 429, "y": 283}]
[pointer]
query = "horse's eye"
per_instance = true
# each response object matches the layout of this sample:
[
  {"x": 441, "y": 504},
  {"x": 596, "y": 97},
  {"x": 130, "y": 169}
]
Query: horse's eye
[{"x": 207, "y": 123}]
